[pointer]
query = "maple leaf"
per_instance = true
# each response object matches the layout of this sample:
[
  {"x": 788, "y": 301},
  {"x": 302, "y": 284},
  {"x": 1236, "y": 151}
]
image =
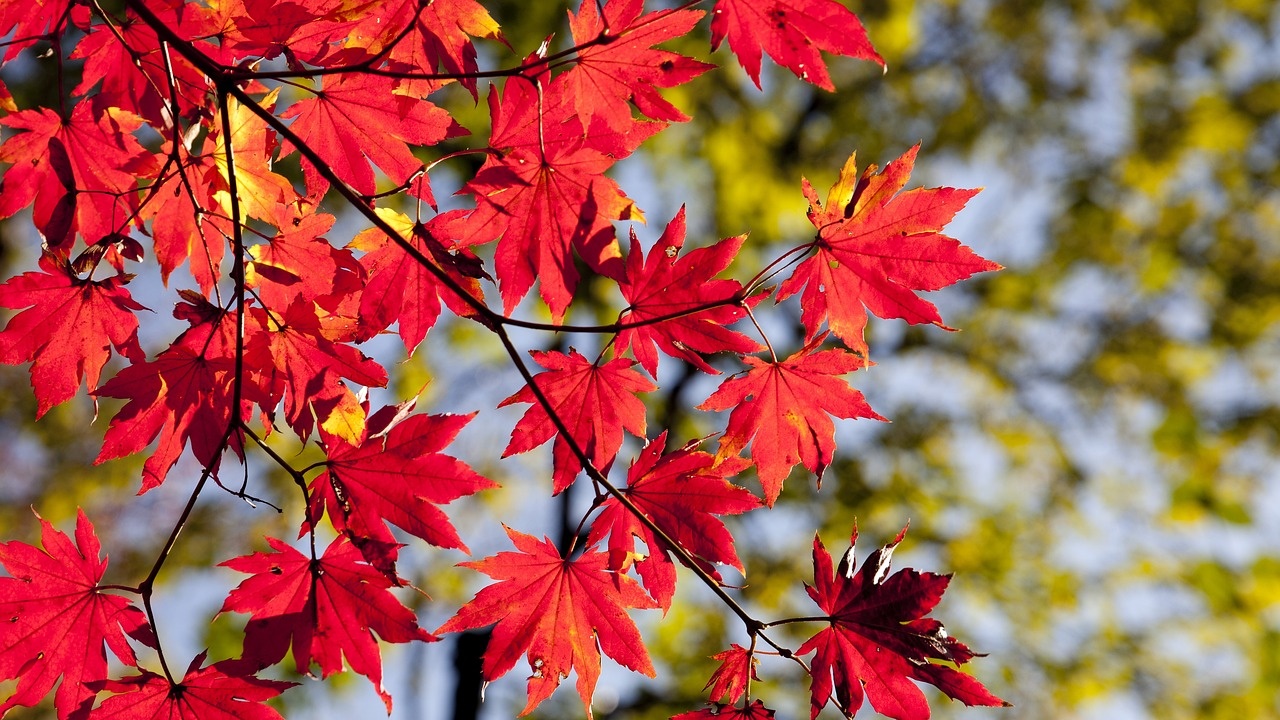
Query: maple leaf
[
  {"x": 56, "y": 621},
  {"x": 755, "y": 711},
  {"x": 395, "y": 473},
  {"x": 182, "y": 396},
  {"x": 664, "y": 285},
  {"x": 681, "y": 492},
  {"x": 81, "y": 173},
  {"x": 209, "y": 693},
  {"x": 324, "y": 610},
  {"x": 68, "y": 328},
  {"x": 27, "y": 23},
  {"x": 125, "y": 62},
  {"x": 187, "y": 221},
  {"x": 296, "y": 263},
  {"x": 596, "y": 403},
  {"x": 792, "y": 32},
  {"x": 626, "y": 67},
  {"x": 783, "y": 409},
  {"x": 253, "y": 145},
  {"x": 297, "y": 363},
  {"x": 440, "y": 37},
  {"x": 880, "y": 639},
  {"x": 401, "y": 289},
  {"x": 356, "y": 115},
  {"x": 737, "y": 669},
  {"x": 543, "y": 197},
  {"x": 875, "y": 247},
  {"x": 559, "y": 613}
]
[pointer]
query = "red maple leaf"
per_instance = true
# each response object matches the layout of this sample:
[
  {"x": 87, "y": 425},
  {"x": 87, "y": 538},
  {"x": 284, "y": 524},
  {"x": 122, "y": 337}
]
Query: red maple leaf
[
  {"x": 81, "y": 173},
  {"x": 440, "y": 37},
  {"x": 596, "y": 403},
  {"x": 210, "y": 693},
  {"x": 880, "y": 639},
  {"x": 187, "y": 221},
  {"x": 56, "y": 621},
  {"x": 184, "y": 395},
  {"x": 396, "y": 474},
  {"x": 299, "y": 364},
  {"x": 68, "y": 328},
  {"x": 626, "y": 67},
  {"x": 681, "y": 492},
  {"x": 792, "y": 32},
  {"x": 663, "y": 285},
  {"x": 29, "y": 22},
  {"x": 559, "y": 613},
  {"x": 755, "y": 711},
  {"x": 127, "y": 59},
  {"x": 400, "y": 289},
  {"x": 358, "y": 115},
  {"x": 875, "y": 247},
  {"x": 737, "y": 669},
  {"x": 296, "y": 262},
  {"x": 324, "y": 610},
  {"x": 544, "y": 195},
  {"x": 783, "y": 409}
]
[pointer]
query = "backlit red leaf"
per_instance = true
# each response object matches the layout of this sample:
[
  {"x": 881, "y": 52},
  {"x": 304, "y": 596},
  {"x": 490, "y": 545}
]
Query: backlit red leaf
[
  {"x": 81, "y": 174},
  {"x": 397, "y": 476},
  {"x": 357, "y": 115},
  {"x": 559, "y": 613},
  {"x": 56, "y": 623},
  {"x": 664, "y": 285},
  {"x": 682, "y": 492},
  {"x": 323, "y": 610},
  {"x": 876, "y": 246},
  {"x": 596, "y": 403},
  {"x": 792, "y": 32},
  {"x": 68, "y": 328},
  {"x": 784, "y": 410},
  {"x": 628, "y": 67},
  {"x": 209, "y": 693},
  {"x": 544, "y": 197}
]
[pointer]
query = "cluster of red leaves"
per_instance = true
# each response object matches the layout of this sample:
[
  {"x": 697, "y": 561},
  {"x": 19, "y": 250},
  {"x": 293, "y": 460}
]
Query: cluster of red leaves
[{"x": 281, "y": 306}]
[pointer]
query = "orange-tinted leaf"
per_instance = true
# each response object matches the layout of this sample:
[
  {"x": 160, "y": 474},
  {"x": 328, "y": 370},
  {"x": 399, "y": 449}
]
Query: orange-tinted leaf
[
  {"x": 559, "y": 613},
  {"x": 596, "y": 403},
  {"x": 253, "y": 145},
  {"x": 792, "y": 32},
  {"x": 187, "y": 222},
  {"x": 783, "y": 409},
  {"x": 876, "y": 246}
]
